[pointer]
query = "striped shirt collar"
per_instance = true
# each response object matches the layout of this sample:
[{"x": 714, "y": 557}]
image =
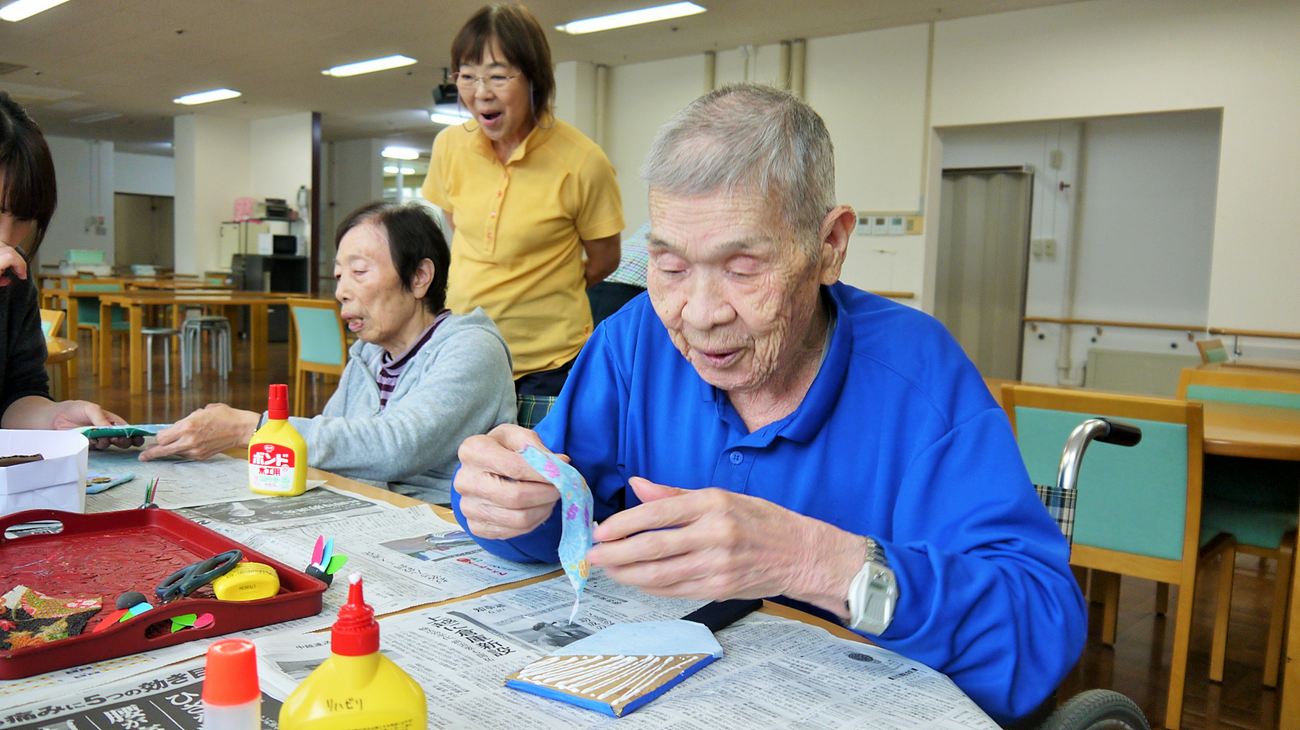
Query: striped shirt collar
[{"x": 390, "y": 368}]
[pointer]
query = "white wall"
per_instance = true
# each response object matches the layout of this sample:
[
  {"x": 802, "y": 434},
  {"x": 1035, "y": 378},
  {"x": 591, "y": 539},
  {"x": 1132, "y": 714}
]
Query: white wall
[
  {"x": 575, "y": 95},
  {"x": 870, "y": 90},
  {"x": 83, "y": 170},
  {"x": 1146, "y": 218},
  {"x": 144, "y": 174},
  {"x": 1113, "y": 57},
  {"x": 642, "y": 96},
  {"x": 1144, "y": 188},
  {"x": 279, "y": 157},
  {"x": 212, "y": 169}
]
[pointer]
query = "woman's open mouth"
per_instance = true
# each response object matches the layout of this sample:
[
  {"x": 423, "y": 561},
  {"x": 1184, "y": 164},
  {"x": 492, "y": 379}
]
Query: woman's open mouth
[{"x": 490, "y": 119}]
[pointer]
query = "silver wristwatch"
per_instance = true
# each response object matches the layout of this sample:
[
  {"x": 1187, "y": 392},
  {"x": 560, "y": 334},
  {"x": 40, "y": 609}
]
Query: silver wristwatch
[{"x": 873, "y": 594}]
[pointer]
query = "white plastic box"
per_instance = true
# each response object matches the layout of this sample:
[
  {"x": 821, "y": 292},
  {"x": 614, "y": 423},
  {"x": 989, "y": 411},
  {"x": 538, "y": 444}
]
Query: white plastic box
[{"x": 58, "y": 481}]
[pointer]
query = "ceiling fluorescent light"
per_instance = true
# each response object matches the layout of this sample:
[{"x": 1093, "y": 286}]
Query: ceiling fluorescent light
[
  {"x": 446, "y": 120},
  {"x": 365, "y": 67},
  {"x": 92, "y": 118},
  {"x": 393, "y": 170},
  {"x": 206, "y": 96},
  {"x": 632, "y": 17},
  {"x": 16, "y": 11},
  {"x": 401, "y": 153}
]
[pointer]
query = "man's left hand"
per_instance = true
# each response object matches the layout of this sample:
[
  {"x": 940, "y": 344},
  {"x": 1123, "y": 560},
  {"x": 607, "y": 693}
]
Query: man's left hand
[
  {"x": 77, "y": 413},
  {"x": 716, "y": 545}
]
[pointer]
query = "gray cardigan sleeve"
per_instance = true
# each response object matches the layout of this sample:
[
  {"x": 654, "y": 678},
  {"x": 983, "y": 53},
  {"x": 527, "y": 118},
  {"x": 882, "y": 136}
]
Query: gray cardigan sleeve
[{"x": 463, "y": 389}]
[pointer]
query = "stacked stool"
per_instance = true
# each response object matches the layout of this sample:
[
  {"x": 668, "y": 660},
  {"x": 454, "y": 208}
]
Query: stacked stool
[
  {"x": 167, "y": 333},
  {"x": 192, "y": 345}
]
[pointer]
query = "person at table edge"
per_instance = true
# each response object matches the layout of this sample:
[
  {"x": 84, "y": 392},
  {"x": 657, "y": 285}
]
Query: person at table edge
[
  {"x": 794, "y": 430},
  {"x": 534, "y": 203},
  {"x": 28, "y": 197},
  {"x": 419, "y": 380}
]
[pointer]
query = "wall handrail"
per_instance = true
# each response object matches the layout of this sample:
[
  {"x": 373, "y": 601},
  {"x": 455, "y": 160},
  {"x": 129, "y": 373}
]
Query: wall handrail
[
  {"x": 1253, "y": 333},
  {"x": 1110, "y": 323},
  {"x": 1179, "y": 327}
]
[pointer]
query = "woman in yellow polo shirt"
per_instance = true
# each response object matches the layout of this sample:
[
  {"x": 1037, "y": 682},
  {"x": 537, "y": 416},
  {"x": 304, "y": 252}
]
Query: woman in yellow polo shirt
[{"x": 527, "y": 195}]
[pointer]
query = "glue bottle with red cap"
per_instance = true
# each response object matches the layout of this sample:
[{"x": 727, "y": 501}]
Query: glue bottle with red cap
[
  {"x": 232, "y": 699},
  {"x": 357, "y": 688},
  {"x": 277, "y": 454}
]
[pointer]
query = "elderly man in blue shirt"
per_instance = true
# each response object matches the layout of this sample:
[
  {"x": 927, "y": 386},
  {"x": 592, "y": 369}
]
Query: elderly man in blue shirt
[{"x": 803, "y": 439}]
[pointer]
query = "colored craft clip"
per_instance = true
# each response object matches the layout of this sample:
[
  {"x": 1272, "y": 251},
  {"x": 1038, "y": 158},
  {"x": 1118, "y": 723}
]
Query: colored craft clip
[{"x": 324, "y": 563}]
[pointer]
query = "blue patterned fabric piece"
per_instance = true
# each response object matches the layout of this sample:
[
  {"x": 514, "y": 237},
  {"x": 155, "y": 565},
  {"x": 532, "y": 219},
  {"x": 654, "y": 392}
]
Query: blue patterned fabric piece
[{"x": 575, "y": 506}]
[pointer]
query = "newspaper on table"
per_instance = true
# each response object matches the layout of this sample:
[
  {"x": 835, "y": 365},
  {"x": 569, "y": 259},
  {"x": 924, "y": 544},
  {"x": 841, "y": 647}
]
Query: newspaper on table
[
  {"x": 60, "y": 682},
  {"x": 410, "y": 557},
  {"x": 166, "y": 698},
  {"x": 182, "y": 482},
  {"x": 775, "y": 672}
]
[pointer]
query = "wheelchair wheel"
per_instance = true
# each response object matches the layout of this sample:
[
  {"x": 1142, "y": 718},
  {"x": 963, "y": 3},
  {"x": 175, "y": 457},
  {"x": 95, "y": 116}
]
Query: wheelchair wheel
[{"x": 1097, "y": 709}]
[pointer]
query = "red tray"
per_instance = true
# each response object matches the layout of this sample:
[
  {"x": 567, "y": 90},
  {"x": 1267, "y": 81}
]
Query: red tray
[{"x": 107, "y": 554}]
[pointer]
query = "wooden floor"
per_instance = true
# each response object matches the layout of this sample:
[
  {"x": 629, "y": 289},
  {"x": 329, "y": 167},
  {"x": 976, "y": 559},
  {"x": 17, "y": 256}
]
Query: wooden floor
[{"x": 1138, "y": 664}]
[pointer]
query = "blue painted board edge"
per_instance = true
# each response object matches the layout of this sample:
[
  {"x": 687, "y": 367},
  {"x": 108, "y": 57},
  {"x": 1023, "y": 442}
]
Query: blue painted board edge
[{"x": 606, "y": 708}]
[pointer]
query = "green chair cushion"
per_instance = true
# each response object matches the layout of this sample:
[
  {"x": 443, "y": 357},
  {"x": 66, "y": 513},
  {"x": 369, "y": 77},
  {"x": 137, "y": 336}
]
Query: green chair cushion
[
  {"x": 1251, "y": 524},
  {"x": 1244, "y": 396},
  {"x": 319, "y": 339},
  {"x": 1131, "y": 500}
]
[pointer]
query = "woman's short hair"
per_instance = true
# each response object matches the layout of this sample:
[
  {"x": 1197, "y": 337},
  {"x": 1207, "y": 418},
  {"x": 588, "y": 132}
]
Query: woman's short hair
[
  {"x": 520, "y": 38},
  {"x": 28, "y": 169},
  {"x": 413, "y": 236}
]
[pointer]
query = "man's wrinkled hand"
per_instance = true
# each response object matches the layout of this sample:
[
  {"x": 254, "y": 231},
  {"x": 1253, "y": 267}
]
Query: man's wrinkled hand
[
  {"x": 205, "y": 433},
  {"x": 501, "y": 496},
  {"x": 712, "y": 544}
]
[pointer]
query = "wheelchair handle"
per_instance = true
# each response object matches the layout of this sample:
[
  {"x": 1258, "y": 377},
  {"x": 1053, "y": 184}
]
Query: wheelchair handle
[{"x": 1104, "y": 430}]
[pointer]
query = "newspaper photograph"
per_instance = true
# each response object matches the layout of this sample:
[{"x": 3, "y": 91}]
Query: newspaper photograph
[
  {"x": 316, "y": 507},
  {"x": 775, "y": 672}
]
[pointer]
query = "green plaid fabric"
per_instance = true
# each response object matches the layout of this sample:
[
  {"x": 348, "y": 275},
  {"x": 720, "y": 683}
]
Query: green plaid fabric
[
  {"x": 1060, "y": 505},
  {"x": 533, "y": 408}
]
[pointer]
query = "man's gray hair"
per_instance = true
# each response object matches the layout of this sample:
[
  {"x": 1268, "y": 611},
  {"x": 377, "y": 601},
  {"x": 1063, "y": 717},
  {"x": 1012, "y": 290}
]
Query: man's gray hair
[{"x": 751, "y": 139}]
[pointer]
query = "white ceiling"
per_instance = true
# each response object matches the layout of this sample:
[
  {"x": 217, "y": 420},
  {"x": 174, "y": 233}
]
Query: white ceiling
[{"x": 132, "y": 57}]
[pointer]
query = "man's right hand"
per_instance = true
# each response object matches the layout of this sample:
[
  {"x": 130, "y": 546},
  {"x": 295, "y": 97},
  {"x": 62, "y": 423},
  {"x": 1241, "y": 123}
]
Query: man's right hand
[{"x": 501, "y": 496}]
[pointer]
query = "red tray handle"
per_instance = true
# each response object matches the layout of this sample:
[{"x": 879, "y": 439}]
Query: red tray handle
[{"x": 70, "y": 520}]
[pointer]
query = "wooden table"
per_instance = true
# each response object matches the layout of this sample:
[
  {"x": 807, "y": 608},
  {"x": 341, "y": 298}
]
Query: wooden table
[
  {"x": 1264, "y": 432},
  {"x": 136, "y": 301},
  {"x": 135, "y": 284}
]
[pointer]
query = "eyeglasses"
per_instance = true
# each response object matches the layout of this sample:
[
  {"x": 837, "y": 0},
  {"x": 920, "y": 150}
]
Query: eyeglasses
[{"x": 495, "y": 82}]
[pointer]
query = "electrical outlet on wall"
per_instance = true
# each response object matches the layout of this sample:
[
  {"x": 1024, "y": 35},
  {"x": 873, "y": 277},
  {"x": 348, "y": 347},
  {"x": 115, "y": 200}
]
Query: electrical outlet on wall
[{"x": 1049, "y": 248}]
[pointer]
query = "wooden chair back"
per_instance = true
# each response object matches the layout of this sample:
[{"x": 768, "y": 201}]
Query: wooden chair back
[
  {"x": 1212, "y": 351},
  {"x": 51, "y": 322},
  {"x": 319, "y": 343},
  {"x": 1139, "y": 508},
  {"x": 1234, "y": 385}
]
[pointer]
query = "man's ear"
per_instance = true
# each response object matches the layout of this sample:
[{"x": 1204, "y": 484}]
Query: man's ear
[
  {"x": 837, "y": 227},
  {"x": 423, "y": 279}
]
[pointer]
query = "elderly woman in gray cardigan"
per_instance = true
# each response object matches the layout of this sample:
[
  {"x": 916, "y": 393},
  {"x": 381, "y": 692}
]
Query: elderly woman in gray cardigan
[{"x": 417, "y": 383}]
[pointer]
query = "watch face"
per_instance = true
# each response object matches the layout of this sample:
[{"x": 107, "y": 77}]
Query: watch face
[{"x": 873, "y": 596}]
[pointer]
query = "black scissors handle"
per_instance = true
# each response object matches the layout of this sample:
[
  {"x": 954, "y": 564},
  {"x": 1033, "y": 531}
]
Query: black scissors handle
[{"x": 192, "y": 577}]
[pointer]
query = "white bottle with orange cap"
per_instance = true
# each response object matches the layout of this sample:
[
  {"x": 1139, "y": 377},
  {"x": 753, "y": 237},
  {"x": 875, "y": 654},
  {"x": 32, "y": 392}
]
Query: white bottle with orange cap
[
  {"x": 277, "y": 453},
  {"x": 232, "y": 699}
]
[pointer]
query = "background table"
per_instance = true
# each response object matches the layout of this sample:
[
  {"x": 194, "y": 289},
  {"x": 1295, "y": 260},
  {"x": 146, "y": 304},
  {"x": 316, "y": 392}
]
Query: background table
[
  {"x": 136, "y": 301},
  {"x": 1264, "y": 432}
]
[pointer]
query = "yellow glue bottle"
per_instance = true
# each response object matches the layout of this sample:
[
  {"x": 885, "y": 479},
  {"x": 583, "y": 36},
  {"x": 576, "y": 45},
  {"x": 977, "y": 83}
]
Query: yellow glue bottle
[
  {"x": 357, "y": 688},
  {"x": 277, "y": 454}
]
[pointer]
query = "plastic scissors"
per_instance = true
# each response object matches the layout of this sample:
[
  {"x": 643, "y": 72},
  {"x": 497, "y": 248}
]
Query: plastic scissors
[{"x": 196, "y": 575}]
